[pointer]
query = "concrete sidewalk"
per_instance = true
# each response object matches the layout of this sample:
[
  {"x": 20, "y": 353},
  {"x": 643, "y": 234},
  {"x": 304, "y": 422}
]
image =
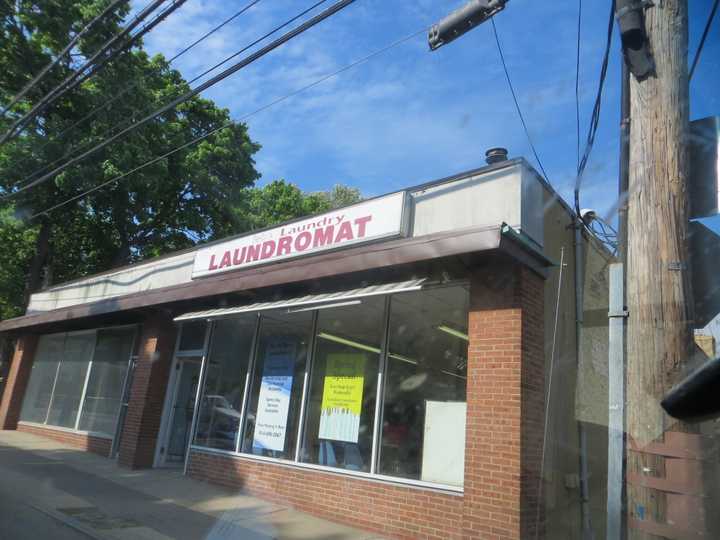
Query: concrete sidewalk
[{"x": 100, "y": 500}]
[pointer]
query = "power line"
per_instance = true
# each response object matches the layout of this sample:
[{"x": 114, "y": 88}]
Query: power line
[
  {"x": 702, "y": 39},
  {"x": 577, "y": 82},
  {"x": 595, "y": 116},
  {"x": 65, "y": 85},
  {"x": 127, "y": 89},
  {"x": 281, "y": 99},
  {"x": 196, "y": 78},
  {"x": 35, "y": 80},
  {"x": 341, "y": 4},
  {"x": 517, "y": 105}
]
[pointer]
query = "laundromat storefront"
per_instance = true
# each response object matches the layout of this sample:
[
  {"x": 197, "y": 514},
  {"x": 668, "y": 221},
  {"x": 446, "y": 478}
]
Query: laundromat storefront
[{"x": 382, "y": 365}]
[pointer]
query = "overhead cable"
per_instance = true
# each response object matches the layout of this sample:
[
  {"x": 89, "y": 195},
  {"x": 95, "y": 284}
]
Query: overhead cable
[
  {"x": 35, "y": 80},
  {"x": 130, "y": 87},
  {"x": 60, "y": 89},
  {"x": 577, "y": 83},
  {"x": 702, "y": 39},
  {"x": 196, "y": 140},
  {"x": 341, "y": 4},
  {"x": 595, "y": 116},
  {"x": 517, "y": 105}
]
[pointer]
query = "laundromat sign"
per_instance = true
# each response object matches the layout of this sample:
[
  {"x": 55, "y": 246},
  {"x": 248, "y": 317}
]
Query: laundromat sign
[{"x": 361, "y": 223}]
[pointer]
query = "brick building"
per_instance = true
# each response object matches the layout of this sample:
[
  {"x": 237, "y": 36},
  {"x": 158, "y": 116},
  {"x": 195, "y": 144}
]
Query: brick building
[{"x": 383, "y": 365}]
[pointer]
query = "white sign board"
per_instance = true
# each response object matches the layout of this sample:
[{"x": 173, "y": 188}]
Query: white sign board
[
  {"x": 443, "y": 458},
  {"x": 360, "y": 223},
  {"x": 274, "y": 398}
]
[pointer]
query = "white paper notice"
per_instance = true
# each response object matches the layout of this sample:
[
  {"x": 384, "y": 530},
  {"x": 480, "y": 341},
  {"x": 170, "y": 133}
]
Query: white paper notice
[{"x": 274, "y": 399}]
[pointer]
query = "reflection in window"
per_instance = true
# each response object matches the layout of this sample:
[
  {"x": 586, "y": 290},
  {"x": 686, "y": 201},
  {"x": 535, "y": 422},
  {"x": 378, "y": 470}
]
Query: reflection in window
[
  {"x": 423, "y": 432},
  {"x": 220, "y": 408},
  {"x": 341, "y": 406},
  {"x": 105, "y": 384},
  {"x": 276, "y": 391},
  {"x": 42, "y": 378},
  {"x": 192, "y": 336},
  {"x": 71, "y": 379}
]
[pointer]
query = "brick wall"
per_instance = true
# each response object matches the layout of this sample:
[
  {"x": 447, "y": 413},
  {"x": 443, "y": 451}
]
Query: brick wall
[
  {"x": 83, "y": 441},
  {"x": 398, "y": 511},
  {"x": 505, "y": 421},
  {"x": 147, "y": 393},
  {"x": 506, "y": 392},
  {"x": 17, "y": 380}
]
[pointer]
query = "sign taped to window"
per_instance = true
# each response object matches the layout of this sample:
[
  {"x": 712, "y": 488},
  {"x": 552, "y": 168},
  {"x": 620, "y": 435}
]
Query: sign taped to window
[
  {"x": 274, "y": 398},
  {"x": 342, "y": 397}
]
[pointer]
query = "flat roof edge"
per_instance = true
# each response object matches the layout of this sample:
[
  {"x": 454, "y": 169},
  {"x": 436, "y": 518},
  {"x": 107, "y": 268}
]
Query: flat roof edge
[{"x": 362, "y": 258}]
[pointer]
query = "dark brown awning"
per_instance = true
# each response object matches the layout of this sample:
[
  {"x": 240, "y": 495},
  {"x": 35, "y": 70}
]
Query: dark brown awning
[{"x": 368, "y": 257}]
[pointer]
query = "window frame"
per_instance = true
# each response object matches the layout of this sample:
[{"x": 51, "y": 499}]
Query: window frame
[
  {"x": 296, "y": 461},
  {"x": 83, "y": 393}
]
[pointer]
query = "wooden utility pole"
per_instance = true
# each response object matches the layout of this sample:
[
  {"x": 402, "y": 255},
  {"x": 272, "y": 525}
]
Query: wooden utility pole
[{"x": 660, "y": 333}]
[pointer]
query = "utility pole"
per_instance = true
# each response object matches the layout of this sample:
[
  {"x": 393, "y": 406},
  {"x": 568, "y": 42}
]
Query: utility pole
[{"x": 659, "y": 332}]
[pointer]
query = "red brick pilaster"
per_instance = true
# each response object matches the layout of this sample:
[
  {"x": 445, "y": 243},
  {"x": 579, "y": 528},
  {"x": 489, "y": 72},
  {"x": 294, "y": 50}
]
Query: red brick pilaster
[
  {"x": 506, "y": 389},
  {"x": 17, "y": 380},
  {"x": 142, "y": 423}
]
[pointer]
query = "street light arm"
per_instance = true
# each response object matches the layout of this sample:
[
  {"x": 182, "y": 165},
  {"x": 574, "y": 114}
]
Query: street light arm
[{"x": 463, "y": 20}]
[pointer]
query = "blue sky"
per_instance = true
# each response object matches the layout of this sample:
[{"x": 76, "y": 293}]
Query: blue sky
[{"x": 410, "y": 115}]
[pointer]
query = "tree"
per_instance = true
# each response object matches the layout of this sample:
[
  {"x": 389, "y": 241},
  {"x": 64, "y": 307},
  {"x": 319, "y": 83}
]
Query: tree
[
  {"x": 281, "y": 201},
  {"x": 187, "y": 197},
  {"x": 202, "y": 192}
]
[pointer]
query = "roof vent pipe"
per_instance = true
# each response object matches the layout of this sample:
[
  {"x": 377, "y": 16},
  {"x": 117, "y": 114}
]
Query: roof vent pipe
[{"x": 496, "y": 155}]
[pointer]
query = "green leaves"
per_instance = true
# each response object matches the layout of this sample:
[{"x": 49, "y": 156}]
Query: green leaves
[{"x": 201, "y": 192}]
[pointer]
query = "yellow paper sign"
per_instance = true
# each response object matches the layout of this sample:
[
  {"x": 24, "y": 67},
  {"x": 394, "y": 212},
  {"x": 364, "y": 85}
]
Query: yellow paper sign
[{"x": 342, "y": 397}]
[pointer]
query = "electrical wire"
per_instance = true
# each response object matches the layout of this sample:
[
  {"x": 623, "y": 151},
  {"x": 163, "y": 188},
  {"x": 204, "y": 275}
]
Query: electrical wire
[
  {"x": 517, "y": 105},
  {"x": 196, "y": 140},
  {"x": 130, "y": 120},
  {"x": 35, "y": 80},
  {"x": 336, "y": 7},
  {"x": 595, "y": 116},
  {"x": 702, "y": 39},
  {"x": 123, "y": 92},
  {"x": 577, "y": 82},
  {"x": 60, "y": 89}
]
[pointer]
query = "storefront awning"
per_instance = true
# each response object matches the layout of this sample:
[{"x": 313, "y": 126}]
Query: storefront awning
[{"x": 308, "y": 300}]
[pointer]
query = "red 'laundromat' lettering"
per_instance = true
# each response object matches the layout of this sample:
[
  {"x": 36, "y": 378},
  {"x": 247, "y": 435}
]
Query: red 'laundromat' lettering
[
  {"x": 302, "y": 241},
  {"x": 268, "y": 249},
  {"x": 326, "y": 236},
  {"x": 361, "y": 223},
  {"x": 323, "y": 236},
  {"x": 344, "y": 233},
  {"x": 253, "y": 252},
  {"x": 226, "y": 260},
  {"x": 284, "y": 245}
]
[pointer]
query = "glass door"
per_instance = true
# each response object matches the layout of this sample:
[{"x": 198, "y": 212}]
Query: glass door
[{"x": 181, "y": 412}]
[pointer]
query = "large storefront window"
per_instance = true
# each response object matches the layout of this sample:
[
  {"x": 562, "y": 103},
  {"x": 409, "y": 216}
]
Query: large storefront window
[
  {"x": 77, "y": 380},
  {"x": 423, "y": 431},
  {"x": 277, "y": 386},
  {"x": 105, "y": 384},
  {"x": 42, "y": 378},
  {"x": 316, "y": 371},
  {"x": 71, "y": 379},
  {"x": 221, "y": 407},
  {"x": 343, "y": 390}
]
